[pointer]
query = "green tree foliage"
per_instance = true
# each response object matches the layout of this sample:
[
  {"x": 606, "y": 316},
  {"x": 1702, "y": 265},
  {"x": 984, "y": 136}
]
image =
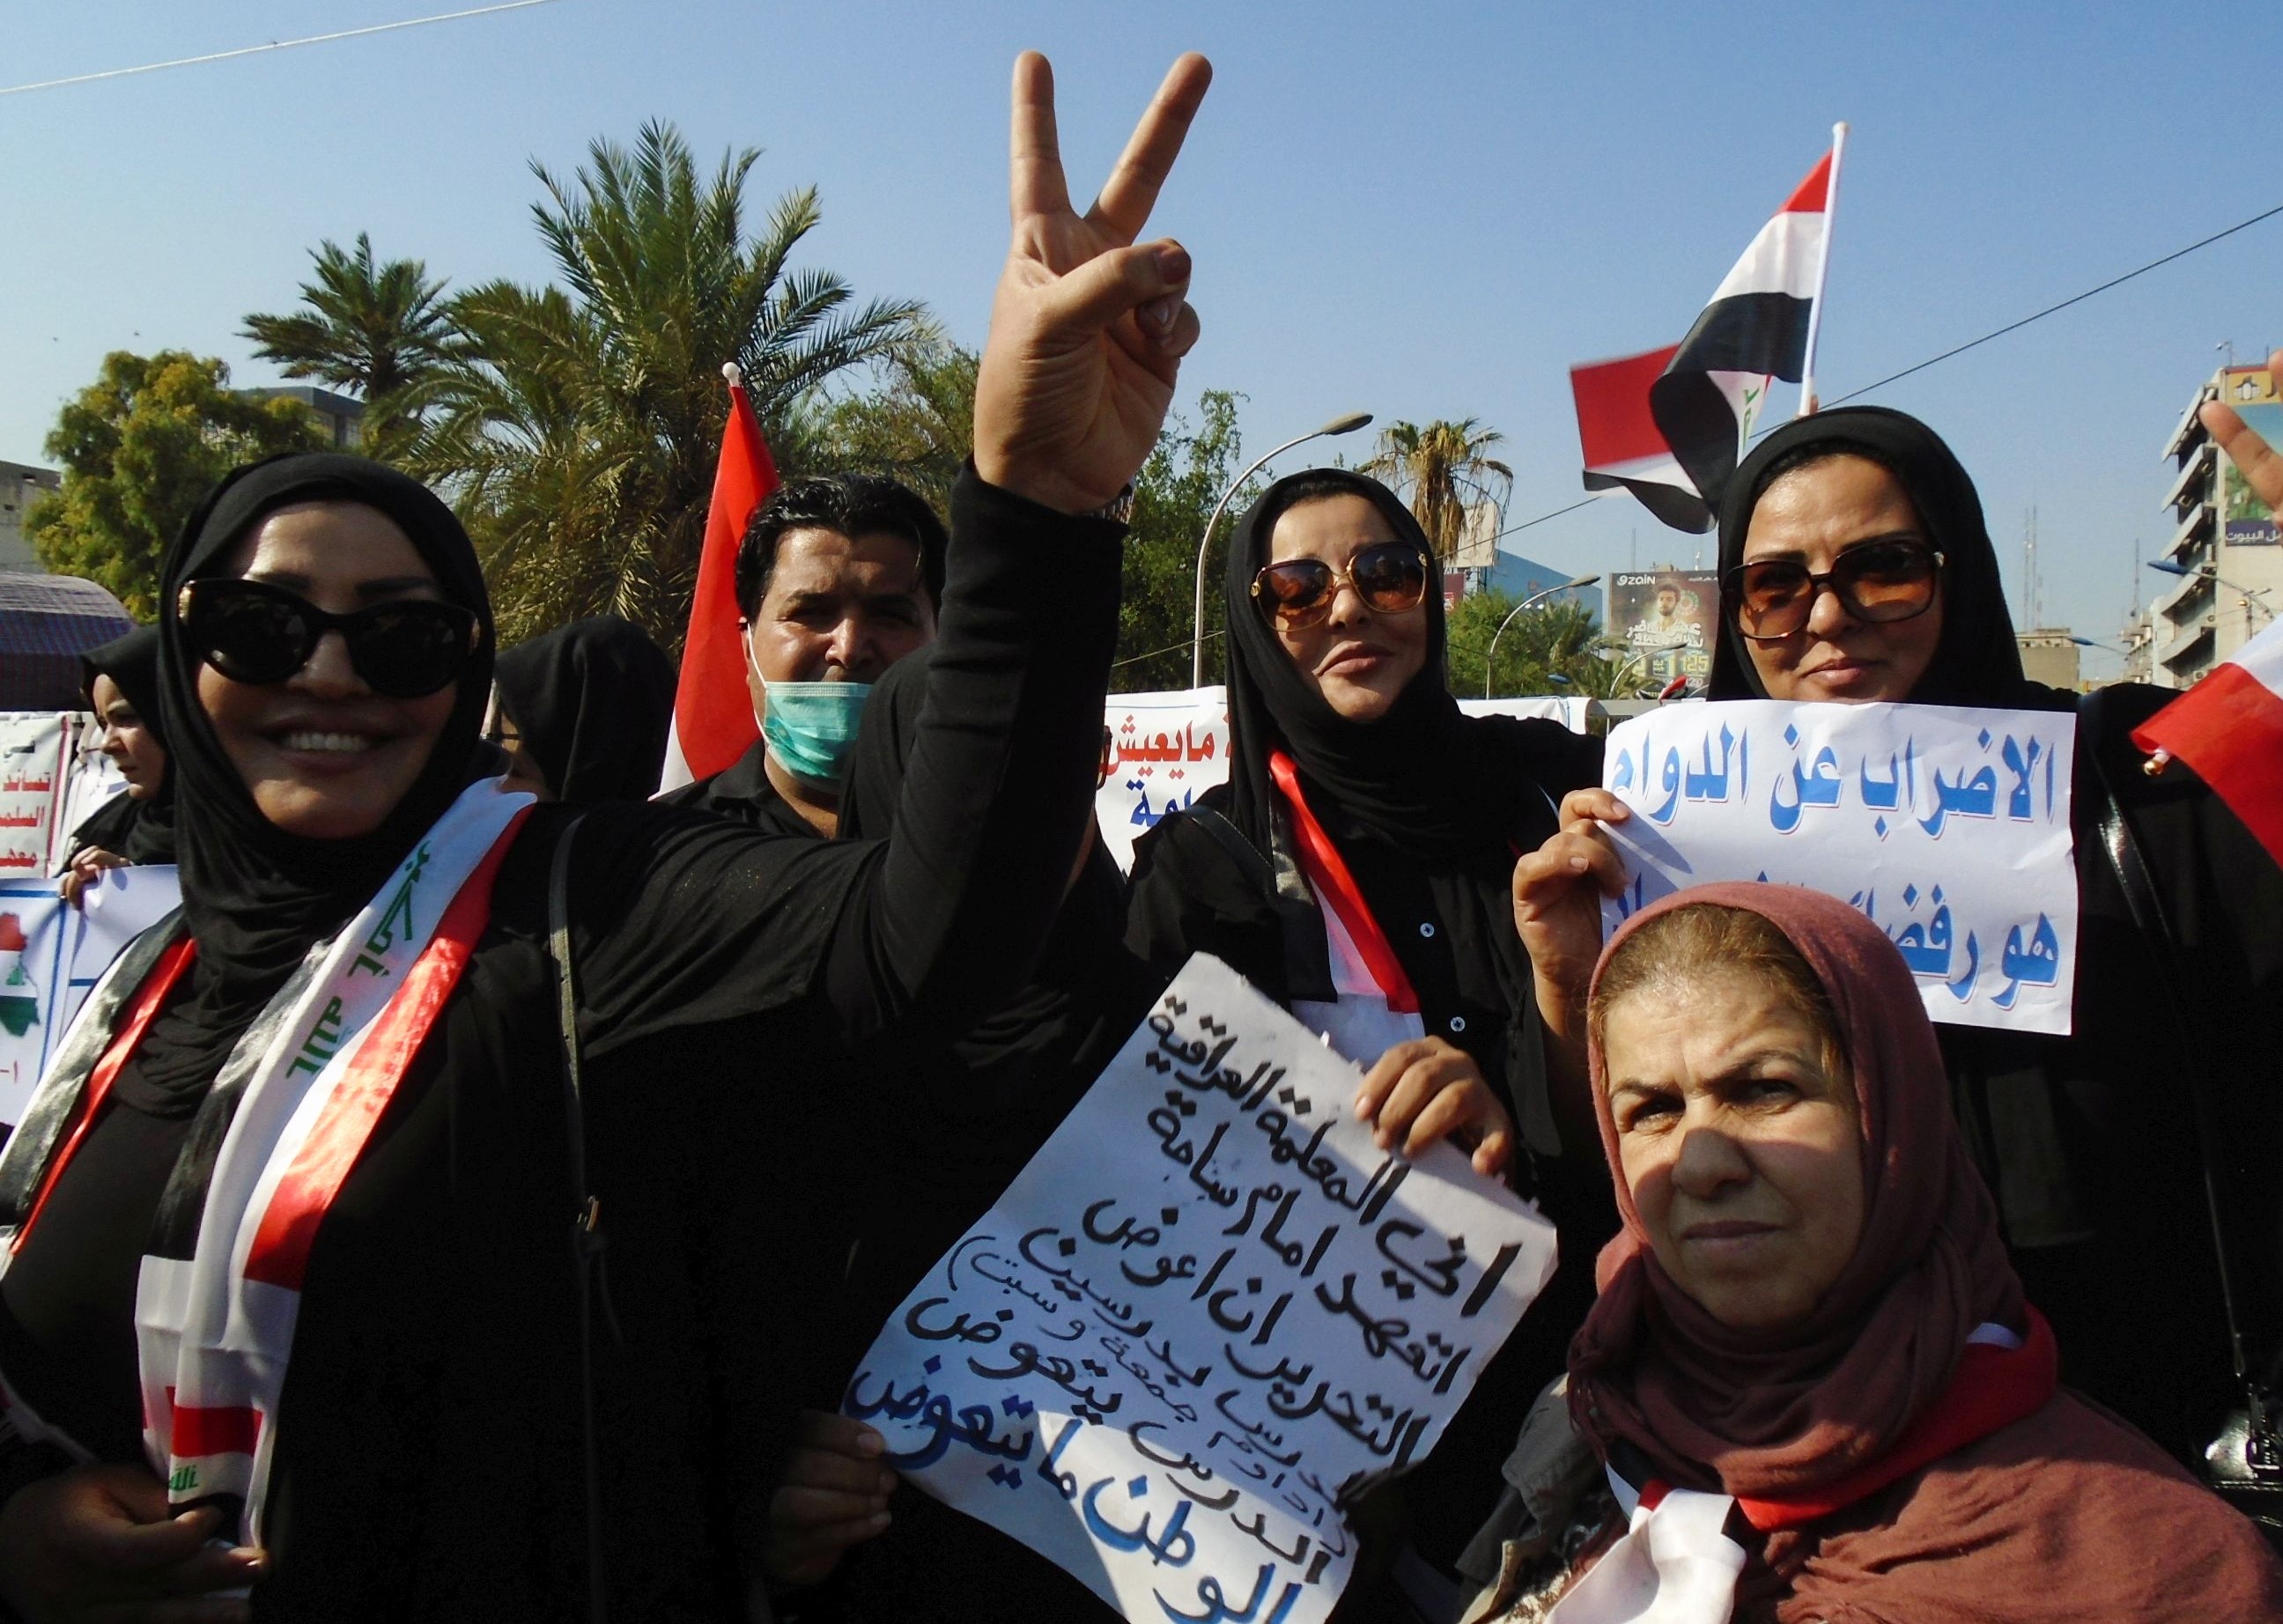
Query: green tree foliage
[
  {"x": 1174, "y": 495},
  {"x": 1443, "y": 469},
  {"x": 380, "y": 331},
  {"x": 916, "y": 422},
  {"x": 1551, "y": 640},
  {"x": 578, "y": 439},
  {"x": 139, "y": 447}
]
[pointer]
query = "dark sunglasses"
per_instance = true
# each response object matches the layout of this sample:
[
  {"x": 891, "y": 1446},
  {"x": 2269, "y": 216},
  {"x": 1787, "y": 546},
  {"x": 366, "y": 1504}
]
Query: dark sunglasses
[
  {"x": 1390, "y": 577},
  {"x": 252, "y": 632},
  {"x": 1879, "y": 581}
]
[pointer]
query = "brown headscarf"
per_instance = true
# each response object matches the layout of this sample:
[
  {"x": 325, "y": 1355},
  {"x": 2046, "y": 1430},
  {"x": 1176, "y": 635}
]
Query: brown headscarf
[{"x": 2065, "y": 1513}]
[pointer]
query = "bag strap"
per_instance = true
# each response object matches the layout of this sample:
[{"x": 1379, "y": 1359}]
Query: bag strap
[
  {"x": 2145, "y": 903},
  {"x": 587, "y": 1221}
]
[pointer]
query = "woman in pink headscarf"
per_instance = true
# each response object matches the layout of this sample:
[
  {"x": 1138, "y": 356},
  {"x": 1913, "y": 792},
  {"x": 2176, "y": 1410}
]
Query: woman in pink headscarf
[{"x": 1811, "y": 1389}]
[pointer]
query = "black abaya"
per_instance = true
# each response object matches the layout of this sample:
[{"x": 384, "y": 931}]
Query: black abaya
[
  {"x": 1430, "y": 810},
  {"x": 2089, "y": 1142},
  {"x": 427, "y": 1455}
]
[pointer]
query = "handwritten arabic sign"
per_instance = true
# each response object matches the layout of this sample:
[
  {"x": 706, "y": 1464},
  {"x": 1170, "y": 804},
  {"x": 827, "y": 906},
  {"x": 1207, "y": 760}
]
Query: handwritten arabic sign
[
  {"x": 1165, "y": 750},
  {"x": 1948, "y": 826},
  {"x": 31, "y": 754},
  {"x": 1207, "y": 1313}
]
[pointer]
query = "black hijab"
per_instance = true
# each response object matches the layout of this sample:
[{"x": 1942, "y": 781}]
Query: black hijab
[
  {"x": 140, "y": 831},
  {"x": 1422, "y": 777},
  {"x": 254, "y": 897},
  {"x": 592, "y": 702},
  {"x": 1976, "y": 661}
]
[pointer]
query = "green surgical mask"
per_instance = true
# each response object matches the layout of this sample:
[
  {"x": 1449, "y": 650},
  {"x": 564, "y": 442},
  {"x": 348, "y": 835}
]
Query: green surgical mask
[{"x": 811, "y": 729}]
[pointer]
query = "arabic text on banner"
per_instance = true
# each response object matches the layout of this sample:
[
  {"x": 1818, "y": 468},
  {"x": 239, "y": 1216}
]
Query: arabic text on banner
[
  {"x": 1948, "y": 828},
  {"x": 1207, "y": 1311},
  {"x": 1166, "y": 750},
  {"x": 32, "y": 761}
]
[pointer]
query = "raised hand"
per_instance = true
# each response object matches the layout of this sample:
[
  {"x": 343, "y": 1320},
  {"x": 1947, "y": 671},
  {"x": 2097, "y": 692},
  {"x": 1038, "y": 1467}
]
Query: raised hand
[
  {"x": 2260, "y": 463},
  {"x": 1087, "y": 330}
]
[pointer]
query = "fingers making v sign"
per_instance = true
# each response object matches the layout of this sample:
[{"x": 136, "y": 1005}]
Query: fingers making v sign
[{"x": 1088, "y": 328}]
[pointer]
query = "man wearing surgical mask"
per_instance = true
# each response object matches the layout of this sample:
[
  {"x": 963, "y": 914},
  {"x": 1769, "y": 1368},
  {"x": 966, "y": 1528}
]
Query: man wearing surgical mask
[{"x": 837, "y": 579}]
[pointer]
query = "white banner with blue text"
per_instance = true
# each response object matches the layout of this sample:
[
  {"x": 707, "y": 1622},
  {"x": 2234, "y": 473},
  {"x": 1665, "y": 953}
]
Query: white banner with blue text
[
  {"x": 1948, "y": 828},
  {"x": 1208, "y": 1314}
]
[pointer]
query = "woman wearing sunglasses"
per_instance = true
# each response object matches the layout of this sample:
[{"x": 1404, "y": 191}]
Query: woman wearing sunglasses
[
  {"x": 297, "y": 1283},
  {"x": 1356, "y": 868},
  {"x": 1856, "y": 567}
]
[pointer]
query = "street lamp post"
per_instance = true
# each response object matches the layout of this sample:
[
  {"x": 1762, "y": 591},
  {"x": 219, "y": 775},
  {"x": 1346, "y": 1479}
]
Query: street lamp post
[
  {"x": 1347, "y": 424},
  {"x": 2165, "y": 566},
  {"x": 1490, "y": 660}
]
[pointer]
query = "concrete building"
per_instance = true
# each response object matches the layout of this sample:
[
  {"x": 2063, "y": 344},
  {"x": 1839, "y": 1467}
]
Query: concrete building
[
  {"x": 20, "y": 485},
  {"x": 342, "y": 416},
  {"x": 2137, "y": 637},
  {"x": 2052, "y": 655},
  {"x": 2222, "y": 551}
]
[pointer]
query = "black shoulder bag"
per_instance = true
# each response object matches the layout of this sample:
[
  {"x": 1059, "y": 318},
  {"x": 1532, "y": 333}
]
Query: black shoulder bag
[
  {"x": 587, "y": 1214},
  {"x": 2245, "y": 1463}
]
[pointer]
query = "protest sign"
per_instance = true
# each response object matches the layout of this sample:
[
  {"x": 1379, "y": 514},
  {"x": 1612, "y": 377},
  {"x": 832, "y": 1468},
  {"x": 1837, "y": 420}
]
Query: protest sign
[
  {"x": 1167, "y": 749},
  {"x": 51, "y": 955},
  {"x": 1209, "y": 1311},
  {"x": 32, "y": 757},
  {"x": 1947, "y": 826}
]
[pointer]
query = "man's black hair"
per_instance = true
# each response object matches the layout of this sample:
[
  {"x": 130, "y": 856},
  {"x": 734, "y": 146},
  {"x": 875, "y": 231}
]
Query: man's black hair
[{"x": 853, "y": 505}]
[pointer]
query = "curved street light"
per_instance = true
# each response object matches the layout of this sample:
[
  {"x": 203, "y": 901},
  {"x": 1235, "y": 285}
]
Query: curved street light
[
  {"x": 1490, "y": 660},
  {"x": 1347, "y": 424},
  {"x": 2165, "y": 566}
]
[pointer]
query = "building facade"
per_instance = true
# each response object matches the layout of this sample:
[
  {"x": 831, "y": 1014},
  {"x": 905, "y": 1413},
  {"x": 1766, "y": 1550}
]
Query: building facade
[
  {"x": 2223, "y": 552},
  {"x": 20, "y": 485}
]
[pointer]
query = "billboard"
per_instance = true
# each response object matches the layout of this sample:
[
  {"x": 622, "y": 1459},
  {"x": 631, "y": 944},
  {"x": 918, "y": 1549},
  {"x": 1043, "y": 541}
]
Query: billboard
[
  {"x": 2245, "y": 520},
  {"x": 1667, "y": 619}
]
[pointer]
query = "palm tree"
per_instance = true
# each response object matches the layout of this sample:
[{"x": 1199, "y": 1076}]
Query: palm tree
[
  {"x": 379, "y": 330},
  {"x": 1444, "y": 469},
  {"x": 579, "y": 435}
]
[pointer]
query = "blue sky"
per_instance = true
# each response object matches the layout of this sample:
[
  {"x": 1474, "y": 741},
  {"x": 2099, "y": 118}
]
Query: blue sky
[{"x": 1422, "y": 211}]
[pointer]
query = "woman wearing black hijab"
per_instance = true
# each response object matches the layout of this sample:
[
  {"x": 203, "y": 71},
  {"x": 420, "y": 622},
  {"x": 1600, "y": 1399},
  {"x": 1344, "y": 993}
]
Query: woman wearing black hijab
[
  {"x": 590, "y": 704},
  {"x": 121, "y": 679},
  {"x": 1856, "y": 567},
  {"x": 306, "y": 1174},
  {"x": 1358, "y": 868}
]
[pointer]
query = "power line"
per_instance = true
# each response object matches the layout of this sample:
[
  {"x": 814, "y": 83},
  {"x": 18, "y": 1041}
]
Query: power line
[
  {"x": 2050, "y": 309},
  {"x": 1133, "y": 659},
  {"x": 2113, "y": 282},
  {"x": 248, "y": 50}
]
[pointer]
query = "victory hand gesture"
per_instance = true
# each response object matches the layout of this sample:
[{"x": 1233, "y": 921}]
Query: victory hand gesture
[
  {"x": 2262, "y": 464},
  {"x": 1087, "y": 330}
]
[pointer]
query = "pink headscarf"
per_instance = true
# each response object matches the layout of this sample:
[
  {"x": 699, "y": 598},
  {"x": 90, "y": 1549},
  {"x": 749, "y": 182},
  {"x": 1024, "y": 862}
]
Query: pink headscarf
[{"x": 1779, "y": 1413}]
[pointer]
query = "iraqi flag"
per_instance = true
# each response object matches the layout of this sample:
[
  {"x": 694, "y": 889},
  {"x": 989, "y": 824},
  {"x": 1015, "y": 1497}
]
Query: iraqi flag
[
  {"x": 1756, "y": 328},
  {"x": 2229, "y": 729},
  {"x": 1624, "y": 448},
  {"x": 713, "y": 720}
]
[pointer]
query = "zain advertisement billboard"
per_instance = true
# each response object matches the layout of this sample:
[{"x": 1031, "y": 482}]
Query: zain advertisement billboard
[{"x": 1667, "y": 619}]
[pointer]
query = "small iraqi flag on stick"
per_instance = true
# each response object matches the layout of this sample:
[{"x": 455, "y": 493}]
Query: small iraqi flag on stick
[
  {"x": 1670, "y": 424},
  {"x": 713, "y": 720},
  {"x": 2229, "y": 730}
]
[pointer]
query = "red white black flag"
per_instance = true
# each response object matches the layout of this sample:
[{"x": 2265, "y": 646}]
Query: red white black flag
[{"x": 1669, "y": 424}]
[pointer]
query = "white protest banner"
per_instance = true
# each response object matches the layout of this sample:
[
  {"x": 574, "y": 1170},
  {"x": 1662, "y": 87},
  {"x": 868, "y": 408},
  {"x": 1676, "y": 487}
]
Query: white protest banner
[
  {"x": 1165, "y": 750},
  {"x": 33, "y": 932},
  {"x": 32, "y": 758},
  {"x": 91, "y": 781},
  {"x": 121, "y": 905},
  {"x": 1950, "y": 828},
  {"x": 1208, "y": 1309}
]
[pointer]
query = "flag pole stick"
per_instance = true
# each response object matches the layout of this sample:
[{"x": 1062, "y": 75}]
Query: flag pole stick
[{"x": 1807, "y": 402}]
